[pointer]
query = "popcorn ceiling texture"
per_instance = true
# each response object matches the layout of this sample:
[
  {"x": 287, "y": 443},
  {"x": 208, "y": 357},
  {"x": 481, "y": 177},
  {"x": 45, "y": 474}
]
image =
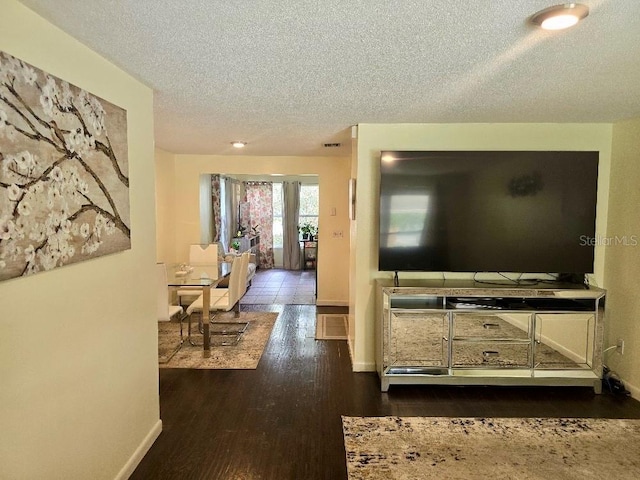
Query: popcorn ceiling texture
[{"x": 289, "y": 76}]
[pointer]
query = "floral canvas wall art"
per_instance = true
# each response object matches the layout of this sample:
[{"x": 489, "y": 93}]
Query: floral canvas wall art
[{"x": 64, "y": 185}]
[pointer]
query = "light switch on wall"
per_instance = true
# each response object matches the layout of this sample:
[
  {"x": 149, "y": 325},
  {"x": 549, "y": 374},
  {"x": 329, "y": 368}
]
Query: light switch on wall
[{"x": 333, "y": 211}]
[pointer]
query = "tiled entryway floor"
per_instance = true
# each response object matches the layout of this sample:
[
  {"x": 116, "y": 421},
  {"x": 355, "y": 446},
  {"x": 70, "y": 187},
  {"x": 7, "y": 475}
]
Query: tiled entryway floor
[{"x": 275, "y": 286}]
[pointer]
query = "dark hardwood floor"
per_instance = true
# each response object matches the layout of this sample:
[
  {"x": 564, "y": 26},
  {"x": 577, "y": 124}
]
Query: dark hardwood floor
[{"x": 282, "y": 420}]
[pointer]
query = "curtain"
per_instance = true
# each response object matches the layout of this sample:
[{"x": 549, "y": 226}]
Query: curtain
[
  {"x": 234, "y": 206},
  {"x": 216, "y": 194},
  {"x": 291, "y": 209},
  {"x": 245, "y": 216},
  {"x": 260, "y": 200},
  {"x": 228, "y": 211}
]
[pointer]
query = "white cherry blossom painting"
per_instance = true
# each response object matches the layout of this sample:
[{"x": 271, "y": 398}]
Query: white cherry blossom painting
[{"x": 64, "y": 185}]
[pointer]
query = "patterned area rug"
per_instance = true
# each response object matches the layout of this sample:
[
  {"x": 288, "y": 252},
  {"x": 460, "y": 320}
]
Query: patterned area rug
[
  {"x": 245, "y": 355},
  {"x": 410, "y": 448},
  {"x": 331, "y": 326}
]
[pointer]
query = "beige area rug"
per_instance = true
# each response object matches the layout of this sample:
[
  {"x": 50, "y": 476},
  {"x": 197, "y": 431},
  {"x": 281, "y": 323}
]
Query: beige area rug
[
  {"x": 331, "y": 326},
  {"x": 245, "y": 355},
  {"x": 410, "y": 448}
]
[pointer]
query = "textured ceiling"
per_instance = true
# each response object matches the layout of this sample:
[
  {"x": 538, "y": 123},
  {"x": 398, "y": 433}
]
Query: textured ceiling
[{"x": 287, "y": 76}]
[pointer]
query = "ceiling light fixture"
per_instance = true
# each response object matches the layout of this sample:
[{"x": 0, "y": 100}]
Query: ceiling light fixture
[
  {"x": 239, "y": 144},
  {"x": 559, "y": 17}
]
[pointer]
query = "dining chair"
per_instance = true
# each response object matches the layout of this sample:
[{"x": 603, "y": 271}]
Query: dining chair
[
  {"x": 229, "y": 299},
  {"x": 166, "y": 311},
  {"x": 240, "y": 279},
  {"x": 243, "y": 281},
  {"x": 203, "y": 253},
  {"x": 198, "y": 254}
]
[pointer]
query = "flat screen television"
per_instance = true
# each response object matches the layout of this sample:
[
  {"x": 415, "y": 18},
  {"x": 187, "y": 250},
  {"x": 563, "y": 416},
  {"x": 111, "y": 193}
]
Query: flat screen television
[{"x": 488, "y": 211}]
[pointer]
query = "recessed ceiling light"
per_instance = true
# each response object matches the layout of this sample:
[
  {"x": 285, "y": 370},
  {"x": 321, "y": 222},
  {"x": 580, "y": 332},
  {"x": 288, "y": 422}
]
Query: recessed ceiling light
[
  {"x": 559, "y": 17},
  {"x": 239, "y": 144}
]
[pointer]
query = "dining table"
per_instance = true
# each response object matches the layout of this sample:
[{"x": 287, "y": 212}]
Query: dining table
[{"x": 203, "y": 276}]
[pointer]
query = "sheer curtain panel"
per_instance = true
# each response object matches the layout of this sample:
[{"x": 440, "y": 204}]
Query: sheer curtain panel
[{"x": 290, "y": 244}]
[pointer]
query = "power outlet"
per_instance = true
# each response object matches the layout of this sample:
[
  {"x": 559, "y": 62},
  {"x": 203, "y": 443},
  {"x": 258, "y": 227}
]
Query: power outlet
[{"x": 620, "y": 346}]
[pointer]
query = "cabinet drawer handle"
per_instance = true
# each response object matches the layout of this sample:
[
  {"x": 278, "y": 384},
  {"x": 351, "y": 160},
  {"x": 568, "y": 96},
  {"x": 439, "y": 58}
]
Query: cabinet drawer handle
[
  {"x": 491, "y": 325},
  {"x": 490, "y": 354}
]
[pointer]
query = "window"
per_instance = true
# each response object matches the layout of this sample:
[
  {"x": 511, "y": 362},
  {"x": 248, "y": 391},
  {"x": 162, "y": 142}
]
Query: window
[
  {"x": 308, "y": 209},
  {"x": 309, "y": 205},
  {"x": 277, "y": 215}
]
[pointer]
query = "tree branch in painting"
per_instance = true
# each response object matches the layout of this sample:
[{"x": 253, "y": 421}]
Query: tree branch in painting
[{"x": 64, "y": 190}]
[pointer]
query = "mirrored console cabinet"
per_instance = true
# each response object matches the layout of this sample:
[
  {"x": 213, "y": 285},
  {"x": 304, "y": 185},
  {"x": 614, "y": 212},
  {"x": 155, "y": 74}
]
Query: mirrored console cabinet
[{"x": 466, "y": 333}]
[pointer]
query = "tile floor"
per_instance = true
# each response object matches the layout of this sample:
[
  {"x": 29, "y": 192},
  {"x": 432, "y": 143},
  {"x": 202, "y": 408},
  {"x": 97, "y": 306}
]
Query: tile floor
[{"x": 275, "y": 286}]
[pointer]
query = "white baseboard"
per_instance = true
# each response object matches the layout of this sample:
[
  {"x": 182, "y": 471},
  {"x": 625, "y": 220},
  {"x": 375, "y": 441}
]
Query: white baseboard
[
  {"x": 359, "y": 366},
  {"x": 140, "y": 452},
  {"x": 331, "y": 303},
  {"x": 635, "y": 391},
  {"x": 364, "y": 366},
  {"x": 350, "y": 345}
]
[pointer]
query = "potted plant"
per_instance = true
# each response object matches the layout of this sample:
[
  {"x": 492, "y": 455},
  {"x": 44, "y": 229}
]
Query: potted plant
[{"x": 308, "y": 230}]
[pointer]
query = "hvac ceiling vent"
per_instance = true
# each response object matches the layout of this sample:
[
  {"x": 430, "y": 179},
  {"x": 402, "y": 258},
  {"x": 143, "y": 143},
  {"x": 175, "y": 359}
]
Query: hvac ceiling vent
[{"x": 331, "y": 145}]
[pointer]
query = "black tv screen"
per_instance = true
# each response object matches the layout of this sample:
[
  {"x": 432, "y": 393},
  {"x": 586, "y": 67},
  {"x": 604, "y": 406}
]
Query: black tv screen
[{"x": 483, "y": 211}]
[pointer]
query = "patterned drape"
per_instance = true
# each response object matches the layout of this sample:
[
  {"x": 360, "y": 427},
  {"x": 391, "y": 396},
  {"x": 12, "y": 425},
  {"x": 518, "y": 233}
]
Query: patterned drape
[
  {"x": 215, "y": 206},
  {"x": 260, "y": 200}
]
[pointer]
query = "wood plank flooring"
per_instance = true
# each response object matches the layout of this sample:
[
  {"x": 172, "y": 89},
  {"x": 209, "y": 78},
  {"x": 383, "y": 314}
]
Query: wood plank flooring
[{"x": 282, "y": 420}]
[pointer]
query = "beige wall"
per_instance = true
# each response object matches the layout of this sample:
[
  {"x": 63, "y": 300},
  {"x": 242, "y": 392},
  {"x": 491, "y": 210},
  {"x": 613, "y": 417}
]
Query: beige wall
[
  {"x": 373, "y": 138},
  {"x": 622, "y": 268},
  {"x": 353, "y": 224},
  {"x": 165, "y": 207},
  {"x": 333, "y": 174},
  {"x": 78, "y": 345}
]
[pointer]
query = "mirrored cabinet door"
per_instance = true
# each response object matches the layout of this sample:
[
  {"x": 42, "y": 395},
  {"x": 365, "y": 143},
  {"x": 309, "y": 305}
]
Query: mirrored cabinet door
[
  {"x": 564, "y": 340},
  {"x": 418, "y": 339}
]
